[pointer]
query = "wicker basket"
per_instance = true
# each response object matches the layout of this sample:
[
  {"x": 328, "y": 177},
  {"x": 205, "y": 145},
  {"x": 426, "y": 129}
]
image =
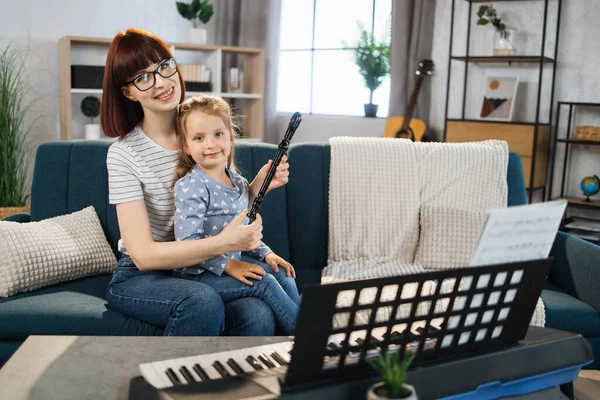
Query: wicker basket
[
  {"x": 6, "y": 211},
  {"x": 587, "y": 133}
]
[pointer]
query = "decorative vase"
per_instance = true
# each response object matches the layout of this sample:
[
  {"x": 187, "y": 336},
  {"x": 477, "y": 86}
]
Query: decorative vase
[
  {"x": 372, "y": 393},
  {"x": 503, "y": 43},
  {"x": 197, "y": 35},
  {"x": 92, "y": 131},
  {"x": 371, "y": 110}
]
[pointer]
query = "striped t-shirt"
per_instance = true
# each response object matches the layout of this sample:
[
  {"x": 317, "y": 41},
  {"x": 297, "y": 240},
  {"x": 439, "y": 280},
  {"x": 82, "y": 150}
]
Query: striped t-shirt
[{"x": 138, "y": 168}]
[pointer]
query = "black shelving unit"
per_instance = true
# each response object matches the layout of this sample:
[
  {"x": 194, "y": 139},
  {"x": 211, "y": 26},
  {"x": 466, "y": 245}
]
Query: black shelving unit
[
  {"x": 539, "y": 60},
  {"x": 585, "y": 227}
]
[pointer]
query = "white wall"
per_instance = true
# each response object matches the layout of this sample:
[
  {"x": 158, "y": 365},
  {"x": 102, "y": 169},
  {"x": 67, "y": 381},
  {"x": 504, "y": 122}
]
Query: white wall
[
  {"x": 577, "y": 75},
  {"x": 319, "y": 128}
]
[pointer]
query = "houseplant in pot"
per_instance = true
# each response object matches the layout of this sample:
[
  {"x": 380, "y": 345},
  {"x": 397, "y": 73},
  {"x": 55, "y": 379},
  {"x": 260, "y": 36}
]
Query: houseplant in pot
[
  {"x": 199, "y": 12},
  {"x": 373, "y": 60},
  {"x": 14, "y": 147},
  {"x": 503, "y": 45},
  {"x": 393, "y": 372},
  {"x": 90, "y": 107}
]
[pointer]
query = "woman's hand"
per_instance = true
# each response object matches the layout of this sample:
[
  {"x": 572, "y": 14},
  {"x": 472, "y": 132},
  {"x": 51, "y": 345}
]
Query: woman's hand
[
  {"x": 280, "y": 178},
  {"x": 241, "y": 270},
  {"x": 240, "y": 237},
  {"x": 275, "y": 261}
]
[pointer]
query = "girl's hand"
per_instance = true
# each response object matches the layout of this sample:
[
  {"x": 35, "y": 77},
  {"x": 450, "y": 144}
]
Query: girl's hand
[
  {"x": 241, "y": 270},
  {"x": 280, "y": 178},
  {"x": 274, "y": 261},
  {"x": 238, "y": 237}
]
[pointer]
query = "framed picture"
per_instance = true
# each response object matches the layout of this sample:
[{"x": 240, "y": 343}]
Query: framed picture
[{"x": 498, "y": 99}]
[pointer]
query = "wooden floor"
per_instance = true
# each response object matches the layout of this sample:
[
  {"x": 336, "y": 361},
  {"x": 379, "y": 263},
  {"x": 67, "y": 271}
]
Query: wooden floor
[{"x": 587, "y": 386}]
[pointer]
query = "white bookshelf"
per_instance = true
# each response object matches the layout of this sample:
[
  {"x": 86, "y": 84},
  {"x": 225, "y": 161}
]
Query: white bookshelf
[{"x": 92, "y": 51}]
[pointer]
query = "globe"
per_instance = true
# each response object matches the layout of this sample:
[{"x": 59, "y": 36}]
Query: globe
[{"x": 590, "y": 186}]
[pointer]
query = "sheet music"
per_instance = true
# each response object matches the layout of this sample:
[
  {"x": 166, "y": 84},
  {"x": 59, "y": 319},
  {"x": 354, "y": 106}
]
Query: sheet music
[{"x": 519, "y": 233}]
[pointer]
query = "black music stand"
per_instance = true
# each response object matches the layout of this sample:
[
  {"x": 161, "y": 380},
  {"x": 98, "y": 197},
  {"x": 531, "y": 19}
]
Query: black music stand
[{"x": 477, "y": 309}]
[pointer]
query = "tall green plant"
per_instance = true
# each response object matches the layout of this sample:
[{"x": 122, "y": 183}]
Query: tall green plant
[
  {"x": 14, "y": 149},
  {"x": 393, "y": 372},
  {"x": 372, "y": 58}
]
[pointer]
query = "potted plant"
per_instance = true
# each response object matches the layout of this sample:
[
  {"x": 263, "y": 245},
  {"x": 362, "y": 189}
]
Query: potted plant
[
  {"x": 90, "y": 107},
  {"x": 198, "y": 12},
  {"x": 503, "y": 45},
  {"x": 373, "y": 60},
  {"x": 394, "y": 372},
  {"x": 14, "y": 147}
]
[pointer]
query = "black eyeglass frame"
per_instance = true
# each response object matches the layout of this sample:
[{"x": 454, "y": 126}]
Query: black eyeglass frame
[{"x": 154, "y": 74}]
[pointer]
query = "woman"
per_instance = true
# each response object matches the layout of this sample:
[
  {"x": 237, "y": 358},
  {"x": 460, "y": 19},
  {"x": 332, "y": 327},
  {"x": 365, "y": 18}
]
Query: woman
[{"x": 141, "y": 91}]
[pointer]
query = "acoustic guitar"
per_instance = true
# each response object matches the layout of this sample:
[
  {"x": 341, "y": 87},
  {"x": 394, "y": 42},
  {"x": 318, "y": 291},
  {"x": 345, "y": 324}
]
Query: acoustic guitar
[{"x": 406, "y": 126}]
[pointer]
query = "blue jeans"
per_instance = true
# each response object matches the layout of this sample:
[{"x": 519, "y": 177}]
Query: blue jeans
[
  {"x": 183, "y": 307},
  {"x": 275, "y": 288}
]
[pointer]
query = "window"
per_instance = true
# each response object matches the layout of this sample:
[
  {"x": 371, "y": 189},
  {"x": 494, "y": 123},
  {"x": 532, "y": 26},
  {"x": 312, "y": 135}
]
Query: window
[{"x": 317, "y": 73}]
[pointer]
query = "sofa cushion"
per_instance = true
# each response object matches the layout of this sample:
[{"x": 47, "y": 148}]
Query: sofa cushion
[
  {"x": 71, "y": 308},
  {"x": 565, "y": 312},
  {"x": 59, "y": 249}
]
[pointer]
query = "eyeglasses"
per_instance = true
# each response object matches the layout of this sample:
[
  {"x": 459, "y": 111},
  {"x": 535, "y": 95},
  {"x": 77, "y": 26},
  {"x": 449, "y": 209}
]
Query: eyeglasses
[{"x": 147, "y": 80}]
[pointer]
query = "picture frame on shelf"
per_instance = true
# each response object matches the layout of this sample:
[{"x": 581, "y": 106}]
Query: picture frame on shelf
[{"x": 498, "y": 98}]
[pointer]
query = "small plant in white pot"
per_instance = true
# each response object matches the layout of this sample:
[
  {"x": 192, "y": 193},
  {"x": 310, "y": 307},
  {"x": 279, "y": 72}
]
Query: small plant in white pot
[
  {"x": 394, "y": 372},
  {"x": 90, "y": 107},
  {"x": 198, "y": 12}
]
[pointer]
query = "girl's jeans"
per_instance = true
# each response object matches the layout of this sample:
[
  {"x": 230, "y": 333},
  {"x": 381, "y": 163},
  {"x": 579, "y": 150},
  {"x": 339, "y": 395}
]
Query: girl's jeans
[
  {"x": 275, "y": 288},
  {"x": 184, "y": 307}
]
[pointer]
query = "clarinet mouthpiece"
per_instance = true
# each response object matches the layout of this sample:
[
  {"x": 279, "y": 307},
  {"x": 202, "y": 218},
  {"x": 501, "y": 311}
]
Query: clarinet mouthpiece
[{"x": 295, "y": 120}]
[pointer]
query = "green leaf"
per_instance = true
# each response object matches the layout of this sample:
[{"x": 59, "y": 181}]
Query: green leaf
[
  {"x": 14, "y": 147},
  {"x": 184, "y": 10},
  {"x": 482, "y": 10},
  {"x": 482, "y": 21}
]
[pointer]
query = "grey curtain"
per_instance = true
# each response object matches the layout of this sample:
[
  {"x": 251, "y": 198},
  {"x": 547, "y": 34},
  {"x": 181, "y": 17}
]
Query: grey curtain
[
  {"x": 253, "y": 24},
  {"x": 412, "y": 38}
]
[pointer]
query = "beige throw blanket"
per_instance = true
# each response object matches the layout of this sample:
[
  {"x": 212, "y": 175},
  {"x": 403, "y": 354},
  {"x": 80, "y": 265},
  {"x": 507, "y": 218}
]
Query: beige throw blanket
[{"x": 398, "y": 207}]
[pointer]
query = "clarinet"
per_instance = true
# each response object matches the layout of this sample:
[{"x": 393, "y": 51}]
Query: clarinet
[{"x": 281, "y": 151}]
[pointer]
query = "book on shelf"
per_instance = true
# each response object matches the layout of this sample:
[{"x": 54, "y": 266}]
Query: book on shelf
[{"x": 584, "y": 224}]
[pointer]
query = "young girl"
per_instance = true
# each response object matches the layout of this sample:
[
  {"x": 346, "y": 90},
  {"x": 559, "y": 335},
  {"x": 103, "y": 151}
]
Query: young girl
[
  {"x": 210, "y": 196},
  {"x": 141, "y": 91}
]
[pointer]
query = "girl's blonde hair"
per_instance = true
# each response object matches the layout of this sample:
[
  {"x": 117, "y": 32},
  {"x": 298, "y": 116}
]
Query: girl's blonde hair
[{"x": 211, "y": 105}]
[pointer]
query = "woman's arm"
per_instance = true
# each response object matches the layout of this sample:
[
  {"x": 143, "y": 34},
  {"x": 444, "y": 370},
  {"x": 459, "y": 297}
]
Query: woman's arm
[{"x": 147, "y": 254}]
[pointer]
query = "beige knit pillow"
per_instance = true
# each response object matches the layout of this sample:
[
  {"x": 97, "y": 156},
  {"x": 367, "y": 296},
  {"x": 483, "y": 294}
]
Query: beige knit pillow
[
  {"x": 448, "y": 237},
  {"x": 59, "y": 249}
]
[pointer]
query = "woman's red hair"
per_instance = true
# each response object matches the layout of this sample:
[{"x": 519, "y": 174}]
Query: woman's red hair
[{"x": 129, "y": 52}]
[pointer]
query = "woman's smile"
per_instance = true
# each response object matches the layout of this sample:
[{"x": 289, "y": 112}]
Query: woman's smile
[{"x": 166, "y": 95}]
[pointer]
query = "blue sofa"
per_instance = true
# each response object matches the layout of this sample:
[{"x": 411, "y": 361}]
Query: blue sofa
[{"x": 71, "y": 175}]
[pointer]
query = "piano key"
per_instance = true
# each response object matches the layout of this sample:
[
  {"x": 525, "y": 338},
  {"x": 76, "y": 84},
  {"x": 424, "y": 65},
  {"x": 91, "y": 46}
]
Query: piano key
[
  {"x": 221, "y": 369},
  {"x": 254, "y": 363},
  {"x": 201, "y": 372},
  {"x": 175, "y": 370},
  {"x": 183, "y": 370},
  {"x": 279, "y": 358},
  {"x": 265, "y": 360},
  {"x": 154, "y": 374},
  {"x": 174, "y": 379},
  {"x": 201, "y": 367},
  {"x": 235, "y": 366}
]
